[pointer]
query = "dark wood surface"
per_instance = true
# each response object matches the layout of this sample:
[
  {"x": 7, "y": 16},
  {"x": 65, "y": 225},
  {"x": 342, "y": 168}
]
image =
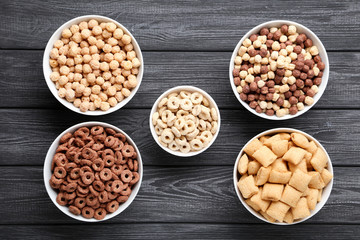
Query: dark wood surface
[{"x": 183, "y": 43}]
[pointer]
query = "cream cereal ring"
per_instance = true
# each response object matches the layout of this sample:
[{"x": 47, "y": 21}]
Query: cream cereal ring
[
  {"x": 205, "y": 102},
  {"x": 214, "y": 127},
  {"x": 181, "y": 140},
  {"x": 167, "y": 136},
  {"x": 185, "y": 94},
  {"x": 171, "y": 122},
  {"x": 202, "y": 125},
  {"x": 176, "y": 132},
  {"x": 181, "y": 113},
  {"x": 161, "y": 124},
  {"x": 161, "y": 142},
  {"x": 162, "y": 102},
  {"x": 186, "y": 104},
  {"x": 173, "y": 146},
  {"x": 207, "y": 135},
  {"x": 193, "y": 134},
  {"x": 174, "y": 94},
  {"x": 196, "y": 110},
  {"x": 173, "y": 103},
  {"x": 158, "y": 130},
  {"x": 167, "y": 115},
  {"x": 154, "y": 118},
  {"x": 190, "y": 125},
  {"x": 185, "y": 148},
  {"x": 213, "y": 113},
  {"x": 196, "y": 98},
  {"x": 179, "y": 123},
  {"x": 196, "y": 144},
  {"x": 190, "y": 117},
  {"x": 208, "y": 126},
  {"x": 160, "y": 110}
]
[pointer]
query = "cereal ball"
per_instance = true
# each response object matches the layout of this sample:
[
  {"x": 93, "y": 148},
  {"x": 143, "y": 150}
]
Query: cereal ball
[
  {"x": 58, "y": 44},
  {"x": 80, "y": 88},
  {"x": 97, "y": 30},
  {"x": 128, "y": 47},
  {"x": 106, "y": 75},
  {"x": 87, "y": 92},
  {"x": 78, "y": 68},
  {"x": 104, "y": 106},
  {"x": 104, "y": 66},
  {"x": 64, "y": 70},
  {"x": 100, "y": 80},
  {"x": 136, "y": 63},
  {"x": 126, "y": 39},
  {"x": 70, "y": 95},
  {"x": 96, "y": 89},
  {"x": 93, "y": 50},
  {"x": 92, "y": 23},
  {"x": 291, "y": 30},
  {"x": 85, "y": 33},
  {"x": 77, "y": 37},
  {"x": 119, "y": 57},
  {"x": 103, "y": 97},
  {"x": 112, "y": 41},
  {"x": 110, "y": 26},
  {"x": 54, "y": 76},
  {"x": 66, "y": 33},
  {"x": 108, "y": 57},
  {"x": 84, "y": 106},
  {"x": 63, "y": 80},
  {"x": 125, "y": 92},
  {"x": 73, "y": 51},
  {"x": 86, "y": 68},
  {"x": 62, "y": 92},
  {"x": 107, "y": 48},
  {"x": 106, "y": 34},
  {"x": 53, "y": 63},
  {"x": 132, "y": 81},
  {"x": 127, "y": 65},
  {"x": 77, "y": 102},
  {"x": 114, "y": 64},
  {"x": 135, "y": 71},
  {"x": 118, "y": 33},
  {"x": 112, "y": 101},
  {"x": 94, "y": 64},
  {"x": 54, "y": 53},
  {"x": 91, "y": 78},
  {"x": 83, "y": 25},
  {"x": 119, "y": 97},
  {"x": 74, "y": 29},
  {"x": 111, "y": 91}
]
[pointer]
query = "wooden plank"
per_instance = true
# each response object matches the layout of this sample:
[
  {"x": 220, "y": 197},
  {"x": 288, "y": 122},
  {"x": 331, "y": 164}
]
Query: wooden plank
[
  {"x": 27, "y": 134},
  {"x": 186, "y": 25},
  {"x": 179, "y": 231},
  {"x": 194, "y": 194},
  {"x": 23, "y": 84}
]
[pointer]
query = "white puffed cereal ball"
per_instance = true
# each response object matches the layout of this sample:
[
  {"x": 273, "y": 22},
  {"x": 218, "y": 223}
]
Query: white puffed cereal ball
[
  {"x": 265, "y": 61},
  {"x": 292, "y": 38},
  {"x": 273, "y": 66},
  {"x": 316, "y": 71},
  {"x": 239, "y": 89},
  {"x": 300, "y": 106},
  {"x": 250, "y": 78},
  {"x": 284, "y": 80},
  {"x": 104, "y": 106},
  {"x": 274, "y": 55},
  {"x": 291, "y": 30},
  {"x": 271, "y": 75},
  {"x": 291, "y": 80},
  {"x": 263, "y": 104},
  {"x": 293, "y": 56},
  {"x": 284, "y": 88},
  {"x": 257, "y": 44},
  {"x": 273, "y": 29},
  {"x": 118, "y": 33},
  {"x": 281, "y": 112},
  {"x": 242, "y": 51},
  {"x": 126, "y": 39},
  {"x": 247, "y": 43},
  {"x": 288, "y": 73},
  {"x": 252, "y": 60},
  {"x": 257, "y": 68},
  {"x": 283, "y": 52},
  {"x": 246, "y": 57},
  {"x": 275, "y": 97},
  {"x": 314, "y": 50},
  {"x": 70, "y": 95},
  {"x": 315, "y": 88},
  {"x": 260, "y": 83},
  {"x": 238, "y": 60},
  {"x": 283, "y": 38},
  {"x": 275, "y": 46},
  {"x": 309, "y": 100},
  {"x": 257, "y": 58}
]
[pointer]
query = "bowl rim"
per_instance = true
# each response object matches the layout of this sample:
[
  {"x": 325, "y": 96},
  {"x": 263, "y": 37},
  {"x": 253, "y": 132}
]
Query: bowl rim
[
  {"x": 178, "y": 89},
  {"x": 53, "y": 193},
  {"x": 322, "y": 51},
  {"x": 325, "y": 193},
  {"x": 47, "y": 68}
]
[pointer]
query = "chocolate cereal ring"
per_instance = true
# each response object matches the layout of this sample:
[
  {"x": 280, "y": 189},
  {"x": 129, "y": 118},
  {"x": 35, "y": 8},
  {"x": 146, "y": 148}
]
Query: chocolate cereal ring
[
  {"x": 60, "y": 159},
  {"x": 70, "y": 166},
  {"x": 136, "y": 165},
  {"x": 99, "y": 213},
  {"x": 82, "y": 190},
  {"x": 71, "y": 152},
  {"x": 82, "y": 132},
  {"x": 108, "y": 186},
  {"x": 126, "y": 176},
  {"x": 89, "y": 142},
  {"x": 62, "y": 148},
  {"x": 106, "y": 174},
  {"x": 80, "y": 194},
  {"x": 71, "y": 187},
  {"x": 56, "y": 181},
  {"x": 87, "y": 212},
  {"x": 114, "y": 176},
  {"x": 110, "y": 141},
  {"x": 110, "y": 131},
  {"x": 119, "y": 159},
  {"x": 117, "y": 186},
  {"x": 65, "y": 137},
  {"x": 98, "y": 165},
  {"x": 112, "y": 196},
  {"x": 97, "y": 205},
  {"x": 79, "y": 143},
  {"x": 120, "y": 136},
  {"x": 60, "y": 172},
  {"x": 97, "y": 130},
  {"x": 77, "y": 157},
  {"x": 98, "y": 186},
  {"x": 93, "y": 191},
  {"x": 70, "y": 196},
  {"x": 86, "y": 162},
  {"x": 97, "y": 176},
  {"x": 126, "y": 192},
  {"x": 100, "y": 138},
  {"x": 112, "y": 206},
  {"x": 91, "y": 200},
  {"x": 103, "y": 197},
  {"x": 53, "y": 185},
  {"x": 107, "y": 152},
  {"x": 130, "y": 163},
  {"x": 122, "y": 199},
  {"x": 119, "y": 145},
  {"x": 70, "y": 180},
  {"x": 127, "y": 151},
  {"x": 74, "y": 210},
  {"x": 97, "y": 146},
  {"x": 88, "y": 178},
  {"x": 135, "y": 178},
  {"x": 117, "y": 169},
  {"x": 85, "y": 169},
  {"x": 60, "y": 199},
  {"x": 109, "y": 161},
  {"x": 88, "y": 153}
]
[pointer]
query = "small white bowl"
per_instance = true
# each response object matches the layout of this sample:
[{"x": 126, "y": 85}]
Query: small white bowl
[
  {"x": 325, "y": 193},
  {"x": 47, "y": 69},
  {"x": 53, "y": 193},
  {"x": 178, "y": 89},
  {"x": 300, "y": 29}
]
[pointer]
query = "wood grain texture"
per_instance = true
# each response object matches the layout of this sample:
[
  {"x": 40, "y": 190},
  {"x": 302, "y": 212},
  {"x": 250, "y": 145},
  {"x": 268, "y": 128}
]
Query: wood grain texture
[
  {"x": 179, "y": 231},
  {"x": 23, "y": 84},
  {"x": 195, "y": 194},
  {"x": 181, "y": 25},
  {"x": 28, "y": 133}
]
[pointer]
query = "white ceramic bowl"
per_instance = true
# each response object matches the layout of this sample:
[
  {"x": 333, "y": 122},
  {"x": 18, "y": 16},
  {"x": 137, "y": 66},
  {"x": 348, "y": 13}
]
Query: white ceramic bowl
[
  {"x": 53, "y": 193},
  {"x": 47, "y": 69},
  {"x": 326, "y": 191},
  {"x": 301, "y": 29},
  {"x": 178, "y": 89}
]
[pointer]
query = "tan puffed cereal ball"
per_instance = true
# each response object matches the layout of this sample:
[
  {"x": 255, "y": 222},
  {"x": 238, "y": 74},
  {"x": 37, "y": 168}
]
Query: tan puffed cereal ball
[
  {"x": 87, "y": 92},
  {"x": 110, "y": 26},
  {"x": 119, "y": 97},
  {"x": 92, "y": 106},
  {"x": 80, "y": 88},
  {"x": 92, "y": 23},
  {"x": 129, "y": 47},
  {"x": 104, "y": 106},
  {"x": 135, "y": 63},
  {"x": 66, "y": 33},
  {"x": 85, "y": 33},
  {"x": 275, "y": 46},
  {"x": 63, "y": 80},
  {"x": 257, "y": 44},
  {"x": 132, "y": 81},
  {"x": 64, "y": 70},
  {"x": 111, "y": 91},
  {"x": 83, "y": 25},
  {"x": 125, "y": 72},
  {"x": 134, "y": 71},
  {"x": 107, "y": 48},
  {"x": 106, "y": 75},
  {"x": 281, "y": 112},
  {"x": 54, "y": 53},
  {"x": 112, "y": 41},
  {"x": 70, "y": 95},
  {"x": 100, "y": 80},
  {"x": 94, "y": 64},
  {"x": 309, "y": 100},
  {"x": 65, "y": 40},
  {"x": 115, "y": 49},
  {"x": 77, "y": 37},
  {"x": 104, "y": 66},
  {"x": 238, "y": 60},
  {"x": 261, "y": 83},
  {"x": 125, "y": 92},
  {"x": 103, "y": 97},
  {"x": 108, "y": 57},
  {"x": 106, "y": 85},
  {"x": 114, "y": 64},
  {"x": 54, "y": 76},
  {"x": 119, "y": 57},
  {"x": 85, "y": 99},
  {"x": 118, "y": 33},
  {"x": 106, "y": 34},
  {"x": 58, "y": 44},
  {"x": 74, "y": 29},
  {"x": 96, "y": 56},
  {"x": 84, "y": 106},
  {"x": 97, "y": 30},
  {"x": 78, "y": 68},
  {"x": 93, "y": 50},
  {"x": 112, "y": 101},
  {"x": 283, "y": 38},
  {"x": 126, "y": 39},
  {"x": 91, "y": 78},
  {"x": 86, "y": 68},
  {"x": 247, "y": 43},
  {"x": 131, "y": 55},
  {"x": 96, "y": 89},
  {"x": 53, "y": 63},
  {"x": 127, "y": 65},
  {"x": 97, "y": 102},
  {"x": 314, "y": 50},
  {"x": 62, "y": 92},
  {"x": 77, "y": 102}
]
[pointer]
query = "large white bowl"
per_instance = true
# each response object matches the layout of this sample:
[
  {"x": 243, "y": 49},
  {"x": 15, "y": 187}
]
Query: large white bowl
[
  {"x": 178, "y": 89},
  {"x": 53, "y": 193},
  {"x": 47, "y": 69},
  {"x": 300, "y": 29},
  {"x": 325, "y": 193}
]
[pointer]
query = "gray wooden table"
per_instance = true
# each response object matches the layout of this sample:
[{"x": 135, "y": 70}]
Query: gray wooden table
[{"x": 183, "y": 42}]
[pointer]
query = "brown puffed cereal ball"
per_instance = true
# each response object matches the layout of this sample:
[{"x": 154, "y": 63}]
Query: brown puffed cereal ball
[
  {"x": 293, "y": 110},
  {"x": 264, "y": 31},
  {"x": 321, "y": 65},
  {"x": 284, "y": 29}
]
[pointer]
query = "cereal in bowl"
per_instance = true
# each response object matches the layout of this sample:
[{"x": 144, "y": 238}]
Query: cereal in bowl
[
  {"x": 94, "y": 65},
  {"x": 282, "y": 176}
]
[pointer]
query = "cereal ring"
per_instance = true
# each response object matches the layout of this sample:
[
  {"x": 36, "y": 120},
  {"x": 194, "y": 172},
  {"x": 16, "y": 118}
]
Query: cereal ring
[
  {"x": 60, "y": 172},
  {"x": 63, "y": 186},
  {"x": 134, "y": 156},
  {"x": 85, "y": 169},
  {"x": 89, "y": 142},
  {"x": 79, "y": 143},
  {"x": 196, "y": 144},
  {"x": 107, "y": 152},
  {"x": 62, "y": 148},
  {"x": 193, "y": 134},
  {"x": 119, "y": 159},
  {"x": 80, "y": 202},
  {"x": 185, "y": 94},
  {"x": 82, "y": 190},
  {"x": 112, "y": 206},
  {"x": 88, "y": 153},
  {"x": 109, "y": 161},
  {"x": 100, "y": 214},
  {"x": 97, "y": 130},
  {"x": 74, "y": 210},
  {"x": 190, "y": 126},
  {"x": 112, "y": 196},
  {"x": 171, "y": 121},
  {"x": 65, "y": 137},
  {"x": 136, "y": 165},
  {"x": 88, "y": 178},
  {"x": 106, "y": 174},
  {"x": 69, "y": 196},
  {"x": 70, "y": 180},
  {"x": 98, "y": 165},
  {"x": 173, "y": 94},
  {"x": 110, "y": 141},
  {"x": 180, "y": 141},
  {"x": 185, "y": 148},
  {"x": 100, "y": 138},
  {"x": 161, "y": 142},
  {"x": 214, "y": 127},
  {"x": 120, "y": 136},
  {"x": 119, "y": 145},
  {"x": 114, "y": 176},
  {"x": 75, "y": 173},
  {"x": 56, "y": 181},
  {"x": 108, "y": 186},
  {"x": 70, "y": 166},
  {"x": 158, "y": 130},
  {"x": 196, "y": 98},
  {"x": 97, "y": 146},
  {"x": 98, "y": 186},
  {"x": 97, "y": 205},
  {"x": 190, "y": 117},
  {"x": 208, "y": 126},
  {"x": 167, "y": 136},
  {"x": 126, "y": 192},
  {"x": 93, "y": 191},
  {"x": 166, "y": 116},
  {"x": 173, "y": 146},
  {"x": 127, "y": 151},
  {"x": 80, "y": 195},
  {"x": 181, "y": 114},
  {"x": 173, "y": 103},
  {"x": 122, "y": 199},
  {"x": 186, "y": 104},
  {"x": 205, "y": 102},
  {"x": 61, "y": 200},
  {"x": 53, "y": 185},
  {"x": 117, "y": 169},
  {"x": 130, "y": 163},
  {"x": 87, "y": 212},
  {"x": 82, "y": 132},
  {"x": 162, "y": 102},
  {"x": 117, "y": 186},
  {"x": 85, "y": 162},
  {"x": 103, "y": 197},
  {"x": 205, "y": 115},
  {"x": 207, "y": 134},
  {"x": 71, "y": 187},
  {"x": 135, "y": 178},
  {"x": 176, "y": 132},
  {"x": 110, "y": 131},
  {"x": 60, "y": 159},
  {"x": 91, "y": 200},
  {"x": 202, "y": 125},
  {"x": 126, "y": 176},
  {"x": 154, "y": 118},
  {"x": 97, "y": 176},
  {"x": 160, "y": 110},
  {"x": 161, "y": 124},
  {"x": 71, "y": 142},
  {"x": 214, "y": 114}
]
